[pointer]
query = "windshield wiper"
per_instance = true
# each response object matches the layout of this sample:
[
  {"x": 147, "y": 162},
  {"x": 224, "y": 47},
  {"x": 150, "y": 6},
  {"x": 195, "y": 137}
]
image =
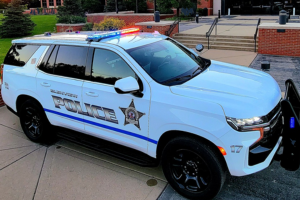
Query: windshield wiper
[
  {"x": 198, "y": 68},
  {"x": 177, "y": 79}
]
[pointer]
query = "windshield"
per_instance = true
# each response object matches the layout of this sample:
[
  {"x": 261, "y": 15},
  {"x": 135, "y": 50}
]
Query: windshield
[{"x": 167, "y": 62}]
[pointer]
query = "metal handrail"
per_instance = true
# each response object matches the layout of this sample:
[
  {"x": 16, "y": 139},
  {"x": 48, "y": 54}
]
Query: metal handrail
[
  {"x": 214, "y": 24},
  {"x": 172, "y": 26},
  {"x": 255, "y": 35}
]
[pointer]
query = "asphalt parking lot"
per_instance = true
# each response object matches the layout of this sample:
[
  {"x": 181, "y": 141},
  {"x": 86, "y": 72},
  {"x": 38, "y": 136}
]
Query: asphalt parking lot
[{"x": 65, "y": 170}]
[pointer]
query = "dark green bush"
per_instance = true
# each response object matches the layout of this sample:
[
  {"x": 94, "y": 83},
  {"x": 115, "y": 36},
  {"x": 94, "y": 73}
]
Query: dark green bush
[
  {"x": 200, "y": 11},
  {"x": 71, "y": 12},
  {"x": 71, "y": 19},
  {"x": 88, "y": 27}
]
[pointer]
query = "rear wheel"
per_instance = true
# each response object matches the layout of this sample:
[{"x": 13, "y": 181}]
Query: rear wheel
[
  {"x": 34, "y": 122},
  {"x": 192, "y": 168}
]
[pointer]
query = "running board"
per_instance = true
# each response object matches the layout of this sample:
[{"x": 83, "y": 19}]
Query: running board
[{"x": 110, "y": 148}]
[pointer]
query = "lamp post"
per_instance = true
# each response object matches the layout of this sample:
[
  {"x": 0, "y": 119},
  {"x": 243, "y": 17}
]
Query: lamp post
[
  {"x": 137, "y": 6},
  {"x": 116, "y": 2}
]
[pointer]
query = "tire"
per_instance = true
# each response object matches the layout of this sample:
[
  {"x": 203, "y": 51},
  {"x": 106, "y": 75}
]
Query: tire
[
  {"x": 193, "y": 168},
  {"x": 34, "y": 122}
]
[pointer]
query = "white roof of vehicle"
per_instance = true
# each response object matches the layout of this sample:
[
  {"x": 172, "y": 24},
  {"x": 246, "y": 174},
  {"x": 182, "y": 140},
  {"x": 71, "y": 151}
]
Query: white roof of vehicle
[{"x": 127, "y": 41}]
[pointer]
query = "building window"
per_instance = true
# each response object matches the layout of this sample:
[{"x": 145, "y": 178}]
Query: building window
[
  {"x": 44, "y": 2},
  {"x": 51, "y": 3},
  {"x": 58, "y": 2}
]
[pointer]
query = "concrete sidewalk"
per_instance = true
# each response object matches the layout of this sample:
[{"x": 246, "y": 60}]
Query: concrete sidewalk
[
  {"x": 243, "y": 58},
  {"x": 66, "y": 170}
]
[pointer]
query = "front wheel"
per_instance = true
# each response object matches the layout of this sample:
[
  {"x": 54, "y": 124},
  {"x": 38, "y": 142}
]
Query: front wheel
[
  {"x": 34, "y": 122},
  {"x": 193, "y": 168}
]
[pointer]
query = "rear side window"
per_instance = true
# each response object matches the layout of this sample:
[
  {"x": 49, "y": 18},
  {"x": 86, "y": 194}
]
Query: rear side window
[
  {"x": 70, "y": 61},
  {"x": 19, "y": 54},
  {"x": 47, "y": 65}
]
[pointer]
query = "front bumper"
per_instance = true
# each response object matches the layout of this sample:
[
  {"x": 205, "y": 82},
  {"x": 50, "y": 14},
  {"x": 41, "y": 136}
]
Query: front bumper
[{"x": 284, "y": 130}]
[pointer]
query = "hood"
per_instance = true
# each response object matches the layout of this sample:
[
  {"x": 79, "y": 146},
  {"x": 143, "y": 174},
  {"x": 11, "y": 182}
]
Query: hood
[{"x": 241, "y": 91}]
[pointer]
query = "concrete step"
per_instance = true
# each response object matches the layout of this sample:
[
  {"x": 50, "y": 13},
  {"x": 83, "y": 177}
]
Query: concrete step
[
  {"x": 239, "y": 42},
  {"x": 184, "y": 38},
  {"x": 213, "y": 36},
  {"x": 224, "y": 47}
]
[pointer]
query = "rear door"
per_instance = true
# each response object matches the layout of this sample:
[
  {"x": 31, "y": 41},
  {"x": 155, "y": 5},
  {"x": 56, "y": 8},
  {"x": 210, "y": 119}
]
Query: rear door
[{"x": 59, "y": 84}]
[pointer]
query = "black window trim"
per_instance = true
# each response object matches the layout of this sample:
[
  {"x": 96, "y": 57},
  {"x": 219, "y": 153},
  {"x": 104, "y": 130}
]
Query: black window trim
[
  {"x": 13, "y": 44},
  {"x": 54, "y": 45}
]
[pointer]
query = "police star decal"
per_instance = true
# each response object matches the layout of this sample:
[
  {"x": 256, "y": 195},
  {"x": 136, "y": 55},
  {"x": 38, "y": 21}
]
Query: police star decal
[{"x": 132, "y": 116}]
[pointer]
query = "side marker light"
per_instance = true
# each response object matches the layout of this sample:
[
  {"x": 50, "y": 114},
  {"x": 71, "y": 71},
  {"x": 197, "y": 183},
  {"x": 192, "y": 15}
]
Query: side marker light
[{"x": 222, "y": 150}]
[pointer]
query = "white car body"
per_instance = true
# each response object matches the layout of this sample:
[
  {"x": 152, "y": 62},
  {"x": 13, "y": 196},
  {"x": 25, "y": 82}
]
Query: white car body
[{"x": 198, "y": 106}]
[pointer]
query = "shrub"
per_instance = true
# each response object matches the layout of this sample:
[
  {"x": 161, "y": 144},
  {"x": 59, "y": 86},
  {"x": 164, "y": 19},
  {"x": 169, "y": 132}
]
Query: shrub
[
  {"x": 88, "y": 27},
  {"x": 109, "y": 24},
  {"x": 71, "y": 12},
  {"x": 71, "y": 19},
  {"x": 15, "y": 23},
  {"x": 199, "y": 11}
]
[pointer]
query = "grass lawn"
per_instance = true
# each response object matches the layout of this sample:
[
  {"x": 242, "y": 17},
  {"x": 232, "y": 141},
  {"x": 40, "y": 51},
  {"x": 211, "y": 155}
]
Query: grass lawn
[{"x": 44, "y": 23}]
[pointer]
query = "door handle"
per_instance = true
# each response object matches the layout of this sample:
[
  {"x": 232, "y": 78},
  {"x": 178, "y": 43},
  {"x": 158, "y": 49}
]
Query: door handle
[
  {"x": 92, "y": 94},
  {"x": 45, "y": 84}
]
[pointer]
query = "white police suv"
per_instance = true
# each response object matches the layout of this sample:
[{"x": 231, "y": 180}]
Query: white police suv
[{"x": 151, "y": 99}]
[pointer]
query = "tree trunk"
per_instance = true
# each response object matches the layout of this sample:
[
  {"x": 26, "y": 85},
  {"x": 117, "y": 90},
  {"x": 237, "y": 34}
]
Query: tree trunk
[{"x": 177, "y": 12}]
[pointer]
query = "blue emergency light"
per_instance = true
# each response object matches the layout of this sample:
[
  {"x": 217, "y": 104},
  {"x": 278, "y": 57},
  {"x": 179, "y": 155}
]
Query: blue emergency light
[
  {"x": 98, "y": 37},
  {"x": 292, "y": 122}
]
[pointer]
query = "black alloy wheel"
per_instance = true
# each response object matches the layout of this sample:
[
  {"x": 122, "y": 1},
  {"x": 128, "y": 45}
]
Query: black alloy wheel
[
  {"x": 35, "y": 123},
  {"x": 190, "y": 171},
  {"x": 32, "y": 122},
  {"x": 193, "y": 168}
]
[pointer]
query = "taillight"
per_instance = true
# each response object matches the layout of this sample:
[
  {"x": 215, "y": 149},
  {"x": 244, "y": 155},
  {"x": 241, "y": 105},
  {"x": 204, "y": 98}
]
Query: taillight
[{"x": 1, "y": 68}]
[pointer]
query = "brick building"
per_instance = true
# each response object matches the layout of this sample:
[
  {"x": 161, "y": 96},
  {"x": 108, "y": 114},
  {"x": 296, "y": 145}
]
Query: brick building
[
  {"x": 150, "y": 4},
  {"x": 51, "y": 3},
  {"x": 235, "y": 7}
]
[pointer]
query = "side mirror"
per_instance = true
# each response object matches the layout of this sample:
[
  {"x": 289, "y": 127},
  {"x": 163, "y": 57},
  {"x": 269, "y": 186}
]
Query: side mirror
[
  {"x": 199, "y": 47},
  {"x": 127, "y": 85}
]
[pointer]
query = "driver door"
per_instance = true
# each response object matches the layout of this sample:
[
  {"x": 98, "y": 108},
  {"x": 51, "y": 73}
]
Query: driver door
[{"x": 120, "y": 118}]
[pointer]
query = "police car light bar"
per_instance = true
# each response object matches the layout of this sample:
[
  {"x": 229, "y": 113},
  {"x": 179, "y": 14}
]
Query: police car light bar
[{"x": 98, "y": 37}]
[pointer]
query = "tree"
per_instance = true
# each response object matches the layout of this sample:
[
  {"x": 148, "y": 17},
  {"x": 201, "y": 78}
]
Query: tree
[
  {"x": 15, "y": 23},
  {"x": 71, "y": 12},
  {"x": 131, "y": 5},
  {"x": 71, "y": 7},
  {"x": 3, "y": 4},
  {"x": 164, "y": 7},
  {"x": 92, "y": 6},
  {"x": 110, "y": 6},
  {"x": 182, "y": 4}
]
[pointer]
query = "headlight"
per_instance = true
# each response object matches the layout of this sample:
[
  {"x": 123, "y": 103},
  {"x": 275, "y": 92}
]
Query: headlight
[{"x": 244, "y": 124}]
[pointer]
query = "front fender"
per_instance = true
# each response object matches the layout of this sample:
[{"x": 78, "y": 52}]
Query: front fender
[{"x": 183, "y": 128}]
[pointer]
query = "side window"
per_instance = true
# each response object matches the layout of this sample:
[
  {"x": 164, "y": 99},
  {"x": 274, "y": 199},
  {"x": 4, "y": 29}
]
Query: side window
[
  {"x": 19, "y": 54},
  {"x": 47, "y": 65},
  {"x": 70, "y": 61},
  {"x": 108, "y": 67}
]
